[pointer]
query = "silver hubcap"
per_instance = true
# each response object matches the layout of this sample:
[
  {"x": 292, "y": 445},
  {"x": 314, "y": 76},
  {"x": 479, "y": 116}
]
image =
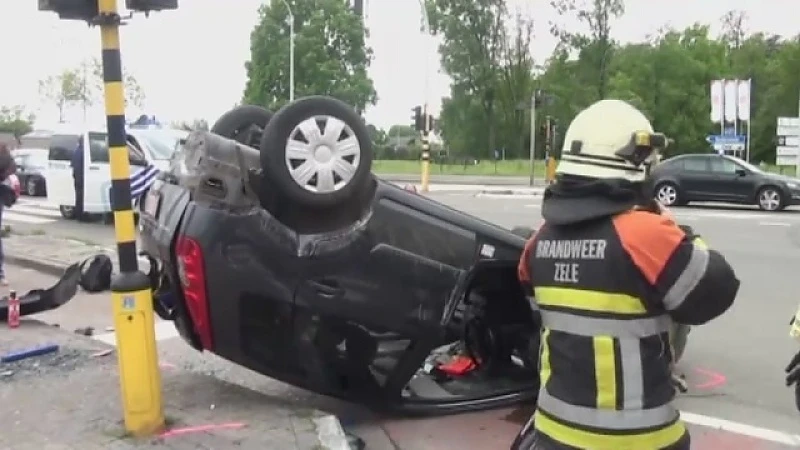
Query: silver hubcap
[
  {"x": 667, "y": 195},
  {"x": 322, "y": 154},
  {"x": 770, "y": 200}
]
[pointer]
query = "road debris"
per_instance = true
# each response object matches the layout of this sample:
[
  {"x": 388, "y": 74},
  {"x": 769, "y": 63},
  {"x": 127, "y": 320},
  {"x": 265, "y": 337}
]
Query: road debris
[
  {"x": 29, "y": 353},
  {"x": 87, "y": 331},
  {"x": 103, "y": 353}
]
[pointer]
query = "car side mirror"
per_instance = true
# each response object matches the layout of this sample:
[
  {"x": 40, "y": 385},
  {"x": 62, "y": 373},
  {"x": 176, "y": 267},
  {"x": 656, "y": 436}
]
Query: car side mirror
[{"x": 741, "y": 172}]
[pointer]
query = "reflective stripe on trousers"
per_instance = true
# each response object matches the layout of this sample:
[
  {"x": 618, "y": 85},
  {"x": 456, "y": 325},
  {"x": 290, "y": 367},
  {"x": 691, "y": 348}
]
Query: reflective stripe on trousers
[
  {"x": 664, "y": 438},
  {"x": 603, "y": 331}
]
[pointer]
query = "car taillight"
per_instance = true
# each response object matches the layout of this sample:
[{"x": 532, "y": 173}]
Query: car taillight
[{"x": 192, "y": 272}]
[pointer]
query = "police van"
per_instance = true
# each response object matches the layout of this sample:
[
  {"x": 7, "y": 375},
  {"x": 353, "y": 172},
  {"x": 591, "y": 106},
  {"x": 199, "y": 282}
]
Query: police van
[{"x": 149, "y": 151}]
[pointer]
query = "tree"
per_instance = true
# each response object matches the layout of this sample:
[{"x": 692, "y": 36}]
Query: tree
[
  {"x": 15, "y": 120},
  {"x": 332, "y": 55},
  {"x": 595, "y": 46},
  {"x": 134, "y": 93},
  {"x": 473, "y": 42},
  {"x": 67, "y": 87}
]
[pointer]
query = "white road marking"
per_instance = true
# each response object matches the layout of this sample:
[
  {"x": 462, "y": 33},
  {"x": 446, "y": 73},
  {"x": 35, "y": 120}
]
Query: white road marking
[
  {"x": 764, "y": 434},
  {"x": 164, "y": 330},
  {"x": 32, "y": 211},
  {"x": 775, "y": 224}
]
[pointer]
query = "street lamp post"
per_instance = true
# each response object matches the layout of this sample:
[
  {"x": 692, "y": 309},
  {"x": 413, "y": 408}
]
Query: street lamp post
[{"x": 291, "y": 50}]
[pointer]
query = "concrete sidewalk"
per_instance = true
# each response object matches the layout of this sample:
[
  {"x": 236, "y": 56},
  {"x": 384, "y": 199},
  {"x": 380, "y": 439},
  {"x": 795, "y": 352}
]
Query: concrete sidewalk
[{"x": 70, "y": 400}]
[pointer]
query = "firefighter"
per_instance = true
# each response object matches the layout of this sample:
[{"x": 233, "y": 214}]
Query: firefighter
[
  {"x": 793, "y": 369},
  {"x": 610, "y": 271}
]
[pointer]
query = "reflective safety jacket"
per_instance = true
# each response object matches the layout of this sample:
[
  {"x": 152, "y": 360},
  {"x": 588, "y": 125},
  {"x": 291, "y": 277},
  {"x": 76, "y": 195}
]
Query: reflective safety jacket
[{"x": 608, "y": 290}]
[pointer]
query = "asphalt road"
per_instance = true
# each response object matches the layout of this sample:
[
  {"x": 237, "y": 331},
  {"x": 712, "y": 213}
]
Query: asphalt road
[{"x": 734, "y": 365}]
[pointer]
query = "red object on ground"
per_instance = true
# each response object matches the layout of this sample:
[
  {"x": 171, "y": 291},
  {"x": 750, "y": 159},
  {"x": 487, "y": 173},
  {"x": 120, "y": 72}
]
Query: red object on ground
[
  {"x": 13, "y": 310},
  {"x": 459, "y": 365}
]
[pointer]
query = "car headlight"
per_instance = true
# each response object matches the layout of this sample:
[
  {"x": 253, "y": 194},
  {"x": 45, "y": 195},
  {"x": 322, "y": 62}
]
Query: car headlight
[{"x": 792, "y": 185}]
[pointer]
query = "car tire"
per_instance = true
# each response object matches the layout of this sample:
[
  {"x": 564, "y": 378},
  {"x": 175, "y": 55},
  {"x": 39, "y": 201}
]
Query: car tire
[
  {"x": 285, "y": 147},
  {"x": 667, "y": 194},
  {"x": 67, "y": 212},
  {"x": 770, "y": 198},
  {"x": 244, "y": 124},
  {"x": 30, "y": 187}
]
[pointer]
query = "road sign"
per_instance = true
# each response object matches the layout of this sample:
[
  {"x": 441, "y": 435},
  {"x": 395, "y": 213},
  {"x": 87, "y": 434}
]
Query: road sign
[
  {"x": 788, "y": 141},
  {"x": 788, "y": 126},
  {"x": 786, "y": 156},
  {"x": 730, "y": 143},
  {"x": 726, "y": 139}
]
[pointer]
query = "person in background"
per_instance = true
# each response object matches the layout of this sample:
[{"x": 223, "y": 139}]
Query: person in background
[
  {"x": 7, "y": 198},
  {"x": 77, "y": 178}
]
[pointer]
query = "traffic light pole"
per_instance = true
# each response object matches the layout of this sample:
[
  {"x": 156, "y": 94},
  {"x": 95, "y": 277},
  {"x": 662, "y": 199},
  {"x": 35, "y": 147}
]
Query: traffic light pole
[
  {"x": 532, "y": 149},
  {"x": 426, "y": 151},
  {"x": 131, "y": 295}
]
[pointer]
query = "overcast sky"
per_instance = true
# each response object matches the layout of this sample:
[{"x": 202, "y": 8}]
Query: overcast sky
[{"x": 191, "y": 64}]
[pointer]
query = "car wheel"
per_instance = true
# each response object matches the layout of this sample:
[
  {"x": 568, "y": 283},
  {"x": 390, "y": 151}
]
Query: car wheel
[
  {"x": 67, "y": 212},
  {"x": 667, "y": 194},
  {"x": 243, "y": 124},
  {"x": 31, "y": 187},
  {"x": 318, "y": 153},
  {"x": 770, "y": 199}
]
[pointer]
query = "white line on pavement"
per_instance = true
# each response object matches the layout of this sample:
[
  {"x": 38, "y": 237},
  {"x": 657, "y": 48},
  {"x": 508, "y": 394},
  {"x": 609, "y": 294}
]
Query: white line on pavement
[
  {"x": 12, "y": 216},
  {"x": 741, "y": 428},
  {"x": 775, "y": 224},
  {"x": 164, "y": 330}
]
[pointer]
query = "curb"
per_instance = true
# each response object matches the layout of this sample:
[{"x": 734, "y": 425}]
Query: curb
[
  {"x": 48, "y": 267},
  {"x": 330, "y": 433}
]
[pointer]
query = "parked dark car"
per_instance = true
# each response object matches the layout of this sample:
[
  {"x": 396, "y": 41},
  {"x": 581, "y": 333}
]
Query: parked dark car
[
  {"x": 31, "y": 164},
  {"x": 721, "y": 178},
  {"x": 336, "y": 282}
]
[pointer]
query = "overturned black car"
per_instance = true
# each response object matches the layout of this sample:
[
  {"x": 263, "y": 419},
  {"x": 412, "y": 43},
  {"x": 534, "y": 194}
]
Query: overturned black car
[{"x": 276, "y": 248}]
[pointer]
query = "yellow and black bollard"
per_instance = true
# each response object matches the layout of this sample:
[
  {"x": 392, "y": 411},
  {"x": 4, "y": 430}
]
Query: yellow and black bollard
[{"x": 140, "y": 380}]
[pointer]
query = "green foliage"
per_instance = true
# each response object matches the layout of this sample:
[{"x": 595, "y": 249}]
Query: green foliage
[
  {"x": 15, "y": 120},
  {"x": 331, "y": 56},
  {"x": 84, "y": 84},
  {"x": 667, "y": 75}
]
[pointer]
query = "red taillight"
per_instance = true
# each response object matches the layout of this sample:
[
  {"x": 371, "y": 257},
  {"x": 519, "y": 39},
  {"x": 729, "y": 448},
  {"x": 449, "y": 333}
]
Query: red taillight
[{"x": 192, "y": 272}]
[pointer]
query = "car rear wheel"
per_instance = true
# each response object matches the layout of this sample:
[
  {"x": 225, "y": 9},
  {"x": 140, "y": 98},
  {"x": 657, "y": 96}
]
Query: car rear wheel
[
  {"x": 67, "y": 212},
  {"x": 244, "y": 124},
  {"x": 318, "y": 153},
  {"x": 667, "y": 194},
  {"x": 770, "y": 199},
  {"x": 31, "y": 187}
]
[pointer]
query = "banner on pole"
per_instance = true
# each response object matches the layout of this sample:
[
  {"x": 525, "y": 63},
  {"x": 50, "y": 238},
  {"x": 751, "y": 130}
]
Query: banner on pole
[
  {"x": 743, "y": 104},
  {"x": 731, "y": 100},
  {"x": 716, "y": 101}
]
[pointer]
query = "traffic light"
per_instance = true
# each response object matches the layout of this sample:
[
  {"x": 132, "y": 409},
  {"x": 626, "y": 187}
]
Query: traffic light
[
  {"x": 88, "y": 9},
  {"x": 430, "y": 122},
  {"x": 71, "y": 9},
  {"x": 151, "y": 5},
  {"x": 417, "y": 119}
]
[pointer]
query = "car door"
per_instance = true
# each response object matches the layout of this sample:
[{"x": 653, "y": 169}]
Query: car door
[
  {"x": 58, "y": 175},
  {"x": 98, "y": 173},
  {"x": 733, "y": 182},
  {"x": 695, "y": 177}
]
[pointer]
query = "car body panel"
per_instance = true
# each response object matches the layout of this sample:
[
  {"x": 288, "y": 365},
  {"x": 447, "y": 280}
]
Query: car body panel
[
  {"x": 721, "y": 178},
  {"x": 353, "y": 313}
]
